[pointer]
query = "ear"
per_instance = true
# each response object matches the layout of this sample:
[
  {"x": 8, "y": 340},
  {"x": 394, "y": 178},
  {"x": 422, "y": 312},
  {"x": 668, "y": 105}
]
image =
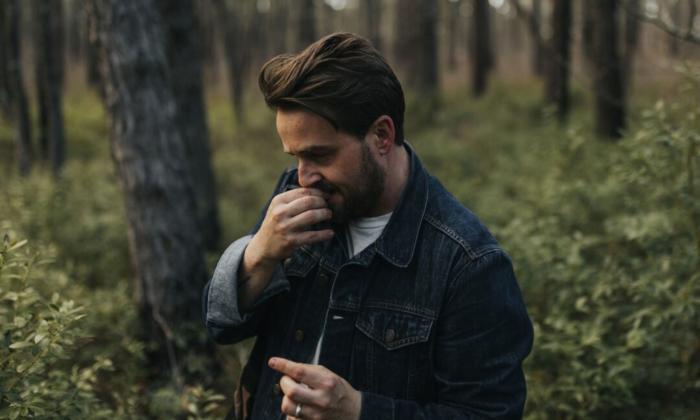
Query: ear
[{"x": 382, "y": 134}]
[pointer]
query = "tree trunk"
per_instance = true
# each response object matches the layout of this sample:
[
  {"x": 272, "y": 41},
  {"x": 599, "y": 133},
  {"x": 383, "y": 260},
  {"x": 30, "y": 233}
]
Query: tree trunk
[
  {"x": 452, "y": 33},
  {"x": 5, "y": 108},
  {"x": 608, "y": 78},
  {"x": 481, "y": 54},
  {"x": 674, "y": 44},
  {"x": 538, "y": 51},
  {"x": 185, "y": 77},
  {"x": 75, "y": 27},
  {"x": 631, "y": 40},
  {"x": 239, "y": 43},
  {"x": 416, "y": 44},
  {"x": 587, "y": 32},
  {"x": 19, "y": 109},
  {"x": 151, "y": 160},
  {"x": 92, "y": 50},
  {"x": 372, "y": 10},
  {"x": 307, "y": 24},
  {"x": 278, "y": 27},
  {"x": 560, "y": 61},
  {"x": 50, "y": 73}
]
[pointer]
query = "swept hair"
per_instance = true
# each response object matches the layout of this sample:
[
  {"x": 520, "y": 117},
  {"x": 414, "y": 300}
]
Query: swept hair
[{"x": 340, "y": 77}]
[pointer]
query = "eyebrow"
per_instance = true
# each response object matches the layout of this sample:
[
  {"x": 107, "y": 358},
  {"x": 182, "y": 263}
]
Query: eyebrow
[{"x": 312, "y": 150}]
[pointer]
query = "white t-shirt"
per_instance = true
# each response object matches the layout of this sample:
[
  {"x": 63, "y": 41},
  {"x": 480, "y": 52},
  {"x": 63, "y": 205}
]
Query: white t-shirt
[{"x": 361, "y": 233}]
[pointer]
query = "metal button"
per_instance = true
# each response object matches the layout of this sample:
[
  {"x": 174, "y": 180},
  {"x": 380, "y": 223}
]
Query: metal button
[
  {"x": 390, "y": 335},
  {"x": 276, "y": 389},
  {"x": 299, "y": 336}
]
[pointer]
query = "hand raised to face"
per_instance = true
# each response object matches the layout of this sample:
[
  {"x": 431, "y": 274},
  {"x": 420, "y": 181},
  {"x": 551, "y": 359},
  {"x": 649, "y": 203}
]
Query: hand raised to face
[{"x": 284, "y": 228}]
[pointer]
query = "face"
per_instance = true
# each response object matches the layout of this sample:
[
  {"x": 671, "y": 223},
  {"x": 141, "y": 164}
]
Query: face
[{"x": 332, "y": 161}]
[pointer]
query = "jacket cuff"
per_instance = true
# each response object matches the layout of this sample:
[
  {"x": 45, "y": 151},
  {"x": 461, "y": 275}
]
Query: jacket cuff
[{"x": 222, "y": 300}]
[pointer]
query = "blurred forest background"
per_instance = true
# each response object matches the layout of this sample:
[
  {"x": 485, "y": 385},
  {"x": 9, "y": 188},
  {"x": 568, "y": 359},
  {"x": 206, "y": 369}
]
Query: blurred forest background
[{"x": 134, "y": 146}]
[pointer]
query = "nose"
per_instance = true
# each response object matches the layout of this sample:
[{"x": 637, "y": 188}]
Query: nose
[{"x": 307, "y": 173}]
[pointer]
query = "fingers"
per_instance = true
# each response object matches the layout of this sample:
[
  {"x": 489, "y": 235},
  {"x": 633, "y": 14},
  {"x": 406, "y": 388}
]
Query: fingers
[
  {"x": 291, "y": 195},
  {"x": 289, "y": 408},
  {"x": 312, "y": 375},
  {"x": 297, "y": 392},
  {"x": 304, "y": 203},
  {"x": 310, "y": 237},
  {"x": 308, "y": 218}
]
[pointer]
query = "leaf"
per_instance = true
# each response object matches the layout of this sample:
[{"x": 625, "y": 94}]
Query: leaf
[
  {"x": 20, "y": 321},
  {"x": 20, "y": 345},
  {"x": 18, "y": 245},
  {"x": 38, "y": 337}
]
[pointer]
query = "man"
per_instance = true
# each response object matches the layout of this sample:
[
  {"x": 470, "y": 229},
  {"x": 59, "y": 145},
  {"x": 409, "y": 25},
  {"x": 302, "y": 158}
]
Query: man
[{"x": 373, "y": 293}]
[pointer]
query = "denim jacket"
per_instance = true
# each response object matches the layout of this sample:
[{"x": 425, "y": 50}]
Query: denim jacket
[{"x": 428, "y": 322}]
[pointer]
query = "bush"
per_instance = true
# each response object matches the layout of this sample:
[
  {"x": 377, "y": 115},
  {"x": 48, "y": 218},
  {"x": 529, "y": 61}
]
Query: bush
[
  {"x": 37, "y": 374},
  {"x": 609, "y": 258}
]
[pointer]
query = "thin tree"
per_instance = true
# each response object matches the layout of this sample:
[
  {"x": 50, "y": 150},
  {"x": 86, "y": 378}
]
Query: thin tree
[
  {"x": 151, "y": 161},
  {"x": 49, "y": 75},
  {"x": 4, "y": 61},
  {"x": 533, "y": 19},
  {"x": 415, "y": 45},
  {"x": 372, "y": 11},
  {"x": 278, "y": 26},
  {"x": 607, "y": 70},
  {"x": 306, "y": 25},
  {"x": 240, "y": 41},
  {"x": 185, "y": 76},
  {"x": 19, "y": 109},
  {"x": 631, "y": 43},
  {"x": 452, "y": 32},
  {"x": 560, "y": 59},
  {"x": 481, "y": 49}
]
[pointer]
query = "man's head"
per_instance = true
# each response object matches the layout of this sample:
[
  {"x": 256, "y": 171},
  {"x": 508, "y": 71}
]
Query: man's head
[
  {"x": 340, "y": 77},
  {"x": 340, "y": 113}
]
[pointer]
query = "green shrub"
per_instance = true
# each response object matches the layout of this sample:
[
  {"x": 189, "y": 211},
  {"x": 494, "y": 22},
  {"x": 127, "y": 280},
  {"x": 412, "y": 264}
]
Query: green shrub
[{"x": 37, "y": 374}]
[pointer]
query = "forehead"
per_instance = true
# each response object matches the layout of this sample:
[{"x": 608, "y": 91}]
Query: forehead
[{"x": 299, "y": 129}]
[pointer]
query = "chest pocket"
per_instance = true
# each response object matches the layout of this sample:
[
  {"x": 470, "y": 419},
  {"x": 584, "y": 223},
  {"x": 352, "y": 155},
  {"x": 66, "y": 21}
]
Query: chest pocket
[{"x": 393, "y": 329}]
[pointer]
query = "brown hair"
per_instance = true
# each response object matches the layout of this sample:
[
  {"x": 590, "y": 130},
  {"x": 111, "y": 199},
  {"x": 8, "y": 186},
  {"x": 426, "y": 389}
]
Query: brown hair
[{"x": 340, "y": 77}]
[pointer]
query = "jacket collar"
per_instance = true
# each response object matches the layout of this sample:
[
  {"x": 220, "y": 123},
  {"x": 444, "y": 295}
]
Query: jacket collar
[{"x": 398, "y": 241}]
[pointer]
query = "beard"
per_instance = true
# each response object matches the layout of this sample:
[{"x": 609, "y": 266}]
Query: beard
[{"x": 360, "y": 197}]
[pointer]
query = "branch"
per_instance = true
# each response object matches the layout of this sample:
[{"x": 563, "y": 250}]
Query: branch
[{"x": 667, "y": 25}]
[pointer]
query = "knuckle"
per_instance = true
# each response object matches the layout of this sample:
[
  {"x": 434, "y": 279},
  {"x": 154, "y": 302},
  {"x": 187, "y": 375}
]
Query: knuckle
[{"x": 277, "y": 214}]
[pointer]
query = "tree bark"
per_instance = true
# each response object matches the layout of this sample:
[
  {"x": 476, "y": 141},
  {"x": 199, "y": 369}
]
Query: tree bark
[
  {"x": 416, "y": 44},
  {"x": 185, "y": 77},
  {"x": 307, "y": 24},
  {"x": 481, "y": 49},
  {"x": 279, "y": 23},
  {"x": 372, "y": 10},
  {"x": 4, "y": 61},
  {"x": 49, "y": 74},
  {"x": 607, "y": 71},
  {"x": 239, "y": 43},
  {"x": 539, "y": 49},
  {"x": 452, "y": 33},
  {"x": 19, "y": 108},
  {"x": 587, "y": 32},
  {"x": 631, "y": 40},
  {"x": 560, "y": 61},
  {"x": 92, "y": 49},
  {"x": 150, "y": 157}
]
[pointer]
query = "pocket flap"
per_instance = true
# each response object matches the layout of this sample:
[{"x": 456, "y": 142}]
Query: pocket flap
[{"x": 393, "y": 329}]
